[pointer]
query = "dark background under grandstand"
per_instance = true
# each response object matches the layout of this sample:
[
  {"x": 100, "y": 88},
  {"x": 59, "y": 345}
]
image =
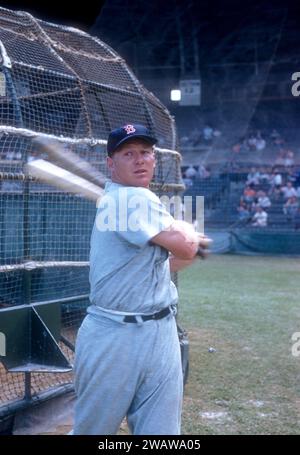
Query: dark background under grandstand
[{"x": 247, "y": 121}]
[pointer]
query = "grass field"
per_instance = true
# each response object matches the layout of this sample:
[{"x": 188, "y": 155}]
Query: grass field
[{"x": 247, "y": 309}]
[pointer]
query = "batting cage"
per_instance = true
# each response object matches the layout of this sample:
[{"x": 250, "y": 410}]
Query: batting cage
[{"x": 58, "y": 86}]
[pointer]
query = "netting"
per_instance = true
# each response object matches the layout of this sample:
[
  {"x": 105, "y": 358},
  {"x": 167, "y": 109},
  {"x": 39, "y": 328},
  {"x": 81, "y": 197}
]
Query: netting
[{"x": 61, "y": 83}]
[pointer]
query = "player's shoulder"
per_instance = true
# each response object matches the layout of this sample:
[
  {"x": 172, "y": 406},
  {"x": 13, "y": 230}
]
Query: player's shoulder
[
  {"x": 124, "y": 193},
  {"x": 130, "y": 192},
  {"x": 141, "y": 191},
  {"x": 144, "y": 194}
]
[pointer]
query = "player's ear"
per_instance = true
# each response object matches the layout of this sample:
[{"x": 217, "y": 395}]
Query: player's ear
[
  {"x": 154, "y": 156},
  {"x": 109, "y": 162}
]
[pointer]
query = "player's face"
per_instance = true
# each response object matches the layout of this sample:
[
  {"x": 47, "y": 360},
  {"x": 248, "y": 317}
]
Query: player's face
[{"x": 133, "y": 164}]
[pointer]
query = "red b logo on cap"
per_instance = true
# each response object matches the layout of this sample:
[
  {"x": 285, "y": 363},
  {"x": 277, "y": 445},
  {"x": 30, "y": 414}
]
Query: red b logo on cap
[{"x": 129, "y": 129}]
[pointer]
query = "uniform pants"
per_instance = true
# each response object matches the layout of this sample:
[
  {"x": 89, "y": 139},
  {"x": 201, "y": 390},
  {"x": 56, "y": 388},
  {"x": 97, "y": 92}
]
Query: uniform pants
[{"x": 128, "y": 370}]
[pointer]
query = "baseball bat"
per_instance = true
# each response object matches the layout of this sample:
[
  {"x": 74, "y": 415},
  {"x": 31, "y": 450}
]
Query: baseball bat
[
  {"x": 61, "y": 156},
  {"x": 63, "y": 179}
]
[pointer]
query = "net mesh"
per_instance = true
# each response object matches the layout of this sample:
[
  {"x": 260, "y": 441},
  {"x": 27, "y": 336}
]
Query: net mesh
[{"x": 61, "y": 83}]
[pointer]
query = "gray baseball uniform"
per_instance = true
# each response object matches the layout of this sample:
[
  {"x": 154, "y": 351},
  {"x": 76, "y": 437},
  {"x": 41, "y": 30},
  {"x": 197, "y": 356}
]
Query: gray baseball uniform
[{"x": 124, "y": 368}]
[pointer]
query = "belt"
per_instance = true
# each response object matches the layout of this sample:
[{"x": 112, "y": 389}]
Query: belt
[{"x": 155, "y": 316}]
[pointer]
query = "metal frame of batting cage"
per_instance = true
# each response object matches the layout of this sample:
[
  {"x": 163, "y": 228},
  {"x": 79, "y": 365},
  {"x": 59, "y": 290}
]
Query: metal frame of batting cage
[
  {"x": 37, "y": 313},
  {"x": 41, "y": 332},
  {"x": 44, "y": 329},
  {"x": 45, "y": 321}
]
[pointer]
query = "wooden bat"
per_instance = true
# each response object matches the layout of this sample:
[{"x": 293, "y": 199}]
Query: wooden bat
[
  {"x": 63, "y": 179},
  {"x": 61, "y": 156}
]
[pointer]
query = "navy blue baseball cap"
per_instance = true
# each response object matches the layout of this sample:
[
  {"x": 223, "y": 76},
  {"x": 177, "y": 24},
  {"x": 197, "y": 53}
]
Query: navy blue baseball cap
[{"x": 121, "y": 135}]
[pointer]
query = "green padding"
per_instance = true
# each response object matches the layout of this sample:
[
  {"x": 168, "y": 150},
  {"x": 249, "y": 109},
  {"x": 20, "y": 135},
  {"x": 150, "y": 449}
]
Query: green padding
[{"x": 265, "y": 241}]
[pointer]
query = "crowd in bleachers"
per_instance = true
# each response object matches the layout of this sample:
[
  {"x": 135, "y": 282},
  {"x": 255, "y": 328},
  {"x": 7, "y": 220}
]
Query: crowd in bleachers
[
  {"x": 257, "y": 145},
  {"x": 272, "y": 194},
  {"x": 205, "y": 136},
  {"x": 10, "y": 155},
  {"x": 270, "y": 190},
  {"x": 192, "y": 174},
  {"x": 266, "y": 146},
  {"x": 256, "y": 141},
  {"x": 276, "y": 158}
]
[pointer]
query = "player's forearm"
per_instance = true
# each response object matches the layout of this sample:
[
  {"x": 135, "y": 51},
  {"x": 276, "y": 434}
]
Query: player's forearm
[
  {"x": 176, "y": 243},
  {"x": 182, "y": 240}
]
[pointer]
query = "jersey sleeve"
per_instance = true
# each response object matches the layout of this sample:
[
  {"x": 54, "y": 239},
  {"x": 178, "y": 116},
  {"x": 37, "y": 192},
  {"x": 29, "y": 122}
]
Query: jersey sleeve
[{"x": 146, "y": 217}]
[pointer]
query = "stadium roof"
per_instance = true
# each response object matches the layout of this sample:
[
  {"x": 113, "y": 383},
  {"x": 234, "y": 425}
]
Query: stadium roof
[{"x": 80, "y": 14}]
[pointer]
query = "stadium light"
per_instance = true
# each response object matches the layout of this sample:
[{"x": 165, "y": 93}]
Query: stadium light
[{"x": 175, "y": 95}]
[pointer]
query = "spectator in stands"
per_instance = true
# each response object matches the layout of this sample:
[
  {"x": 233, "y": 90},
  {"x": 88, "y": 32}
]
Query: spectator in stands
[
  {"x": 203, "y": 172},
  {"x": 184, "y": 140},
  {"x": 290, "y": 208},
  {"x": 260, "y": 142},
  {"x": 288, "y": 191},
  {"x": 280, "y": 158},
  {"x": 276, "y": 178},
  {"x": 276, "y": 182},
  {"x": 253, "y": 177},
  {"x": 264, "y": 177},
  {"x": 243, "y": 212},
  {"x": 191, "y": 172},
  {"x": 289, "y": 158},
  {"x": 260, "y": 219},
  {"x": 248, "y": 196},
  {"x": 10, "y": 155},
  {"x": 291, "y": 176},
  {"x": 263, "y": 201},
  {"x": 251, "y": 143},
  {"x": 217, "y": 133},
  {"x": 207, "y": 134}
]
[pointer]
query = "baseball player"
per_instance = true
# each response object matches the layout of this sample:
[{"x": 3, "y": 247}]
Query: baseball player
[{"x": 127, "y": 361}]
